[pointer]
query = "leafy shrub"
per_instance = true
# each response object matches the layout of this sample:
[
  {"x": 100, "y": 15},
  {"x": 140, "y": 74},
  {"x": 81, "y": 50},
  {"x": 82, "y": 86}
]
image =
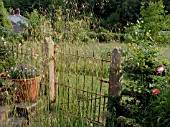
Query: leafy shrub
[
  {"x": 153, "y": 21},
  {"x": 145, "y": 78},
  {"x": 145, "y": 90},
  {"x": 6, "y": 59},
  {"x": 4, "y": 20}
]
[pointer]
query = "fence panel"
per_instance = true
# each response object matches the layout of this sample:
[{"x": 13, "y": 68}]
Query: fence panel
[
  {"x": 83, "y": 83},
  {"x": 81, "y": 79}
]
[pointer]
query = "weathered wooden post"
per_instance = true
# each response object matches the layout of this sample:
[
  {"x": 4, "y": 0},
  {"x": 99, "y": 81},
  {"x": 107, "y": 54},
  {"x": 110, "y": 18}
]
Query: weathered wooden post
[
  {"x": 114, "y": 86},
  {"x": 50, "y": 66}
]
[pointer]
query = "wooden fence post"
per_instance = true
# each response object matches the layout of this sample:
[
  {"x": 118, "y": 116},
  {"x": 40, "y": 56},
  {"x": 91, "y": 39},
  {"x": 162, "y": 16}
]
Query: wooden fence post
[
  {"x": 50, "y": 67},
  {"x": 114, "y": 86}
]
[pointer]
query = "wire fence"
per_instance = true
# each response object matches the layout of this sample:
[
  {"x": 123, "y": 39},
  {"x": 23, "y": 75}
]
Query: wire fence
[{"x": 83, "y": 83}]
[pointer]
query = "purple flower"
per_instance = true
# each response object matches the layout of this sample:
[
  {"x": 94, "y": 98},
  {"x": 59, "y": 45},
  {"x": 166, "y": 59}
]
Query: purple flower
[
  {"x": 22, "y": 71},
  {"x": 33, "y": 71},
  {"x": 20, "y": 66}
]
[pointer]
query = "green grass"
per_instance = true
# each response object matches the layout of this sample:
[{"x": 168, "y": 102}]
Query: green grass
[
  {"x": 166, "y": 52},
  {"x": 100, "y": 48},
  {"x": 79, "y": 79},
  {"x": 88, "y": 48}
]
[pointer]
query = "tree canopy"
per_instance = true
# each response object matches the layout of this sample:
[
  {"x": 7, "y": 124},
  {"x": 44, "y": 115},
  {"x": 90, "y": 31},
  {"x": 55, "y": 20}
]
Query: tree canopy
[{"x": 110, "y": 13}]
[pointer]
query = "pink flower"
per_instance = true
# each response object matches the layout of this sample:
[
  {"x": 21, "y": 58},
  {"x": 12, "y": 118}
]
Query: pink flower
[
  {"x": 160, "y": 69},
  {"x": 156, "y": 91}
]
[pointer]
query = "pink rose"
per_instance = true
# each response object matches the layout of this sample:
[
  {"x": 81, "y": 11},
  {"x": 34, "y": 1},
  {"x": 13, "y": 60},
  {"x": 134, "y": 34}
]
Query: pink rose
[
  {"x": 160, "y": 69},
  {"x": 156, "y": 91}
]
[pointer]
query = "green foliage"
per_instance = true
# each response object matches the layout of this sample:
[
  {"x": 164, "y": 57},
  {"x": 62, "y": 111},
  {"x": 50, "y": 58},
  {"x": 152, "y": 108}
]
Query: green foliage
[
  {"x": 6, "y": 60},
  {"x": 8, "y": 92},
  {"x": 7, "y": 39},
  {"x": 153, "y": 18},
  {"x": 152, "y": 25},
  {"x": 39, "y": 27},
  {"x": 140, "y": 67},
  {"x": 113, "y": 14},
  {"x": 27, "y": 5},
  {"x": 142, "y": 59},
  {"x": 119, "y": 12},
  {"x": 80, "y": 30},
  {"x": 5, "y": 22}
]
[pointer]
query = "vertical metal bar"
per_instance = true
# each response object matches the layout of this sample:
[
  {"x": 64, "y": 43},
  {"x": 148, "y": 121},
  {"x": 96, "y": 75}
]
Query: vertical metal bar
[
  {"x": 84, "y": 81},
  {"x": 101, "y": 81},
  {"x": 92, "y": 72},
  {"x": 87, "y": 104},
  {"x": 84, "y": 84},
  {"x": 94, "y": 107},
  {"x": 68, "y": 79},
  {"x": 104, "y": 106},
  {"x": 63, "y": 77},
  {"x": 77, "y": 59},
  {"x": 55, "y": 71},
  {"x": 92, "y": 88},
  {"x": 76, "y": 71}
]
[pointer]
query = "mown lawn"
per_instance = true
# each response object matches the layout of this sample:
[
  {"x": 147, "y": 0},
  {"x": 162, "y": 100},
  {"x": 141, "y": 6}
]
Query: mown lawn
[{"x": 100, "y": 48}]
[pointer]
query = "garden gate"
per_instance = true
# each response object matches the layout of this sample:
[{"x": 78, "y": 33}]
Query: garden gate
[{"x": 83, "y": 82}]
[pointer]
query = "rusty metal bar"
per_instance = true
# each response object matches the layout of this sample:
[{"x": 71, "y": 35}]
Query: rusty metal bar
[
  {"x": 85, "y": 100},
  {"x": 83, "y": 90},
  {"x": 104, "y": 103},
  {"x": 91, "y": 104},
  {"x": 68, "y": 79},
  {"x": 84, "y": 81},
  {"x": 55, "y": 71},
  {"x": 105, "y": 81},
  {"x": 101, "y": 77},
  {"x": 85, "y": 57},
  {"x": 87, "y": 105},
  {"x": 94, "y": 108},
  {"x": 95, "y": 103},
  {"x": 96, "y": 123},
  {"x": 76, "y": 72},
  {"x": 63, "y": 78}
]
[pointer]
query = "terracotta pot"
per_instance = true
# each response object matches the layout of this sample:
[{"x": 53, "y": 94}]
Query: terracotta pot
[{"x": 29, "y": 88}]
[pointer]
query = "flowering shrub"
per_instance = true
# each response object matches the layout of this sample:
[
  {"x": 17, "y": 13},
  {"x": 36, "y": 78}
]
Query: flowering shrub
[
  {"x": 145, "y": 93},
  {"x": 21, "y": 71},
  {"x": 147, "y": 76},
  {"x": 156, "y": 91},
  {"x": 160, "y": 69}
]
